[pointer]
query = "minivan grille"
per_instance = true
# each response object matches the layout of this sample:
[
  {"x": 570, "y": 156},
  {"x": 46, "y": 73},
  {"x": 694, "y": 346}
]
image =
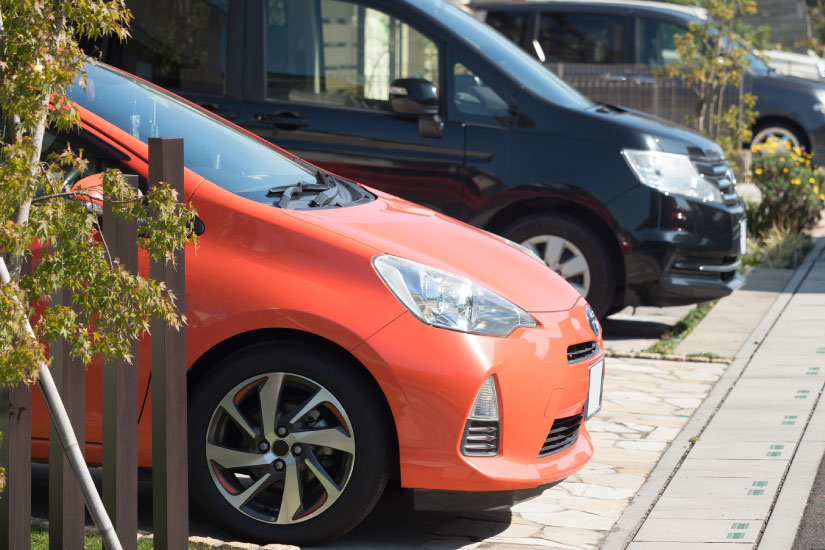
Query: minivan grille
[
  {"x": 480, "y": 438},
  {"x": 582, "y": 352},
  {"x": 563, "y": 434},
  {"x": 718, "y": 172}
]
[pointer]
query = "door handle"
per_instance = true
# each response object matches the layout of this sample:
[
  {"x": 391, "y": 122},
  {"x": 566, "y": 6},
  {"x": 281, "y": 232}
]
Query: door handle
[
  {"x": 218, "y": 110},
  {"x": 287, "y": 120}
]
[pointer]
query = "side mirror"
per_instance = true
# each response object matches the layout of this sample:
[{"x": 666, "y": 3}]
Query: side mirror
[
  {"x": 413, "y": 96},
  {"x": 90, "y": 192},
  {"x": 418, "y": 97}
]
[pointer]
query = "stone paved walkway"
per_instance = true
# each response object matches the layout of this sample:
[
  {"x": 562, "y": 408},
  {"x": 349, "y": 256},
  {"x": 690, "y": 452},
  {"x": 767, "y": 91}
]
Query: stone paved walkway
[{"x": 646, "y": 404}]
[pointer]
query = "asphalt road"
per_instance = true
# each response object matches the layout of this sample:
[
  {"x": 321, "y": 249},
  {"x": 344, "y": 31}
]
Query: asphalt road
[{"x": 811, "y": 534}]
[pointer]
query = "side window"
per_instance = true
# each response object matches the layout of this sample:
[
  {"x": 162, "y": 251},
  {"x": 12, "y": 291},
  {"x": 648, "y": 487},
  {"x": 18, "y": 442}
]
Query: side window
[
  {"x": 582, "y": 37},
  {"x": 475, "y": 100},
  {"x": 341, "y": 53},
  {"x": 512, "y": 24},
  {"x": 177, "y": 45},
  {"x": 100, "y": 155},
  {"x": 656, "y": 44}
]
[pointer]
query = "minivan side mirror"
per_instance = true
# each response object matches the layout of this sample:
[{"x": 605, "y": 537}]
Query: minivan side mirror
[{"x": 418, "y": 97}]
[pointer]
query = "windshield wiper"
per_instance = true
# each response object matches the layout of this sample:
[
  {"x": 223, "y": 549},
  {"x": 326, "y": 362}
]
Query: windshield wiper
[{"x": 325, "y": 185}]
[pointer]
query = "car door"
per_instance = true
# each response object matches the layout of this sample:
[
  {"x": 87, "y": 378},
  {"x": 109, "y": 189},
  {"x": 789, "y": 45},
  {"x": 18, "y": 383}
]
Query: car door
[
  {"x": 192, "y": 48},
  {"x": 655, "y": 47},
  {"x": 318, "y": 79}
]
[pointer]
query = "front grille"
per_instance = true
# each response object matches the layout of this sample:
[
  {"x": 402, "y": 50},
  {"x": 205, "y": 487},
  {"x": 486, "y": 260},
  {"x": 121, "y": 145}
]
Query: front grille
[
  {"x": 718, "y": 172},
  {"x": 581, "y": 352},
  {"x": 480, "y": 438},
  {"x": 562, "y": 435}
]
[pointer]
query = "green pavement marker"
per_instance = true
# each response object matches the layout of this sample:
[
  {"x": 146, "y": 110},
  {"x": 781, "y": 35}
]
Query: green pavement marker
[
  {"x": 759, "y": 484},
  {"x": 820, "y": 350},
  {"x": 738, "y": 527},
  {"x": 790, "y": 420},
  {"x": 777, "y": 446},
  {"x": 773, "y": 453},
  {"x": 755, "y": 492}
]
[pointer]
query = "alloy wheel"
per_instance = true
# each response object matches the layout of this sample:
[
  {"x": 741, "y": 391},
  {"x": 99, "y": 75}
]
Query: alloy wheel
[
  {"x": 563, "y": 257},
  {"x": 280, "y": 448}
]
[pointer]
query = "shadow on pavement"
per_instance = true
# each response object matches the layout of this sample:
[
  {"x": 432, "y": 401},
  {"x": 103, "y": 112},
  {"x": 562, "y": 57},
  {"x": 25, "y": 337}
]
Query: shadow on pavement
[{"x": 393, "y": 524}]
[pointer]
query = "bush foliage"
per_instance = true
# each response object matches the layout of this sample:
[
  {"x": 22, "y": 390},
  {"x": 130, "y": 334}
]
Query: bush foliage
[{"x": 793, "y": 189}]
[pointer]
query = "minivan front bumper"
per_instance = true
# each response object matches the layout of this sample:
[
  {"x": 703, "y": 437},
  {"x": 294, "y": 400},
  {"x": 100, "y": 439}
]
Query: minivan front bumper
[{"x": 692, "y": 257}]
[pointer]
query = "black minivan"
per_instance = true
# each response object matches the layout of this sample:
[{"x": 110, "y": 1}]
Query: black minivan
[
  {"x": 418, "y": 98},
  {"x": 611, "y": 50}
]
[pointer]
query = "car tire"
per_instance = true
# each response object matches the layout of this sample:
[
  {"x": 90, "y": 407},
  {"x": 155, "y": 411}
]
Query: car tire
[
  {"x": 313, "y": 483},
  {"x": 572, "y": 250},
  {"x": 784, "y": 132}
]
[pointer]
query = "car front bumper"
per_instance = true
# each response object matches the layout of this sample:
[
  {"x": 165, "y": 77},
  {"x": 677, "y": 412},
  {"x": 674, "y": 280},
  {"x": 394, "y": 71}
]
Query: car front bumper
[
  {"x": 432, "y": 376},
  {"x": 691, "y": 257}
]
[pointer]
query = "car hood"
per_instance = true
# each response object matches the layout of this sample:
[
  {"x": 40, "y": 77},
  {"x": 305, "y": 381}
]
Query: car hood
[
  {"x": 664, "y": 135},
  {"x": 394, "y": 226}
]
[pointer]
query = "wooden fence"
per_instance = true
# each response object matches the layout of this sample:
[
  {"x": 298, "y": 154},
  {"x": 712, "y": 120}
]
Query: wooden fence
[{"x": 120, "y": 414}]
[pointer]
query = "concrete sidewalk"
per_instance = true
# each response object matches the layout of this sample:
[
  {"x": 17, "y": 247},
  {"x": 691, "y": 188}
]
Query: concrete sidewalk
[{"x": 740, "y": 472}]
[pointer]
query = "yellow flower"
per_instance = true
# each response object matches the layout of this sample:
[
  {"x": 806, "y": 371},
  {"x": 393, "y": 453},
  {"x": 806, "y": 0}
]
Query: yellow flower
[
  {"x": 795, "y": 182},
  {"x": 771, "y": 150},
  {"x": 797, "y": 151},
  {"x": 758, "y": 171},
  {"x": 816, "y": 189},
  {"x": 785, "y": 170},
  {"x": 822, "y": 196}
]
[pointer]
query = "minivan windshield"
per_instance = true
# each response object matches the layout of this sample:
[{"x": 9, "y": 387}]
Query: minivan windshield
[
  {"x": 511, "y": 59},
  {"x": 211, "y": 148}
]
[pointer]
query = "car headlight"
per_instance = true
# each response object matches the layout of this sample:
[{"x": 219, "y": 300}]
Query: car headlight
[
  {"x": 671, "y": 173},
  {"x": 445, "y": 300}
]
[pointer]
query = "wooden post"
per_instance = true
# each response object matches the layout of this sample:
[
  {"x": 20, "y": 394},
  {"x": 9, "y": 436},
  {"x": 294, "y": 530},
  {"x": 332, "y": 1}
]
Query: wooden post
[
  {"x": 67, "y": 511},
  {"x": 120, "y": 400},
  {"x": 170, "y": 487},
  {"x": 16, "y": 460}
]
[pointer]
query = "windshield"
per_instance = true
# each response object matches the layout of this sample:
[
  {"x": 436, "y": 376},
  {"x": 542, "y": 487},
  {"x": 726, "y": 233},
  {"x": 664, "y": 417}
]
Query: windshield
[
  {"x": 212, "y": 149},
  {"x": 522, "y": 68}
]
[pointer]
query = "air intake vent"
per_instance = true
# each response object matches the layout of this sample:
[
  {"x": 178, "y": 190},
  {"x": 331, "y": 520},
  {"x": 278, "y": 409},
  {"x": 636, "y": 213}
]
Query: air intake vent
[
  {"x": 562, "y": 435},
  {"x": 582, "y": 352},
  {"x": 480, "y": 438}
]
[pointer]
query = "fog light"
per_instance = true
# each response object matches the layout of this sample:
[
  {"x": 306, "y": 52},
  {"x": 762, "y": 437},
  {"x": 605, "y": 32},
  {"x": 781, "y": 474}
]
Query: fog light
[
  {"x": 486, "y": 405},
  {"x": 481, "y": 433}
]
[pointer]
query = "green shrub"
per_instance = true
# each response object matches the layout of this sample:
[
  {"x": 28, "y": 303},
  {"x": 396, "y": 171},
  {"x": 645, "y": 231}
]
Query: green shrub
[{"x": 793, "y": 189}]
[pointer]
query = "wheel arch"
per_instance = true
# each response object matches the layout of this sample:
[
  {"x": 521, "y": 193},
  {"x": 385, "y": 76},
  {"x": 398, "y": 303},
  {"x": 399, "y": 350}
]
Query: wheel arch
[
  {"x": 546, "y": 205},
  {"x": 780, "y": 120},
  {"x": 213, "y": 356}
]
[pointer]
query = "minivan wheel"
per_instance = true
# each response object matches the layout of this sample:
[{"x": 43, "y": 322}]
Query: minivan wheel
[
  {"x": 572, "y": 250},
  {"x": 287, "y": 443},
  {"x": 785, "y": 134}
]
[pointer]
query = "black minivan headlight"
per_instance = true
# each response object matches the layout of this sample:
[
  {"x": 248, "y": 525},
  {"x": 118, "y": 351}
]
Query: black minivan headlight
[{"x": 671, "y": 173}]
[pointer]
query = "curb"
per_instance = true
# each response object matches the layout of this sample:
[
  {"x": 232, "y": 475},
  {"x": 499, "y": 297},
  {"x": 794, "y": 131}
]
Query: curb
[
  {"x": 199, "y": 543},
  {"x": 634, "y": 515},
  {"x": 666, "y": 357},
  {"x": 783, "y": 521}
]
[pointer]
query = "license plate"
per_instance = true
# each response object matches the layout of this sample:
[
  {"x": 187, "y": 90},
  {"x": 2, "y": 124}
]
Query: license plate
[
  {"x": 743, "y": 236},
  {"x": 594, "y": 393}
]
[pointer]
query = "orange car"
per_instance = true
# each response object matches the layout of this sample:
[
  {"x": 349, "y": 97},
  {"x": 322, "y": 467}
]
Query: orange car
[{"x": 339, "y": 336}]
